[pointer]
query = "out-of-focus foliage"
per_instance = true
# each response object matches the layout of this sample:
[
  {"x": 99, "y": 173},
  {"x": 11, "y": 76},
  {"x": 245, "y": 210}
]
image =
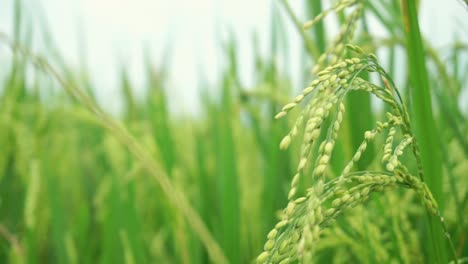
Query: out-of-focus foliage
[{"x": 71, "y": 190}]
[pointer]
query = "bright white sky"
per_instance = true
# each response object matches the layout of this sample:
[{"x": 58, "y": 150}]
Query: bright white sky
[{"x": 115, "y": 32}]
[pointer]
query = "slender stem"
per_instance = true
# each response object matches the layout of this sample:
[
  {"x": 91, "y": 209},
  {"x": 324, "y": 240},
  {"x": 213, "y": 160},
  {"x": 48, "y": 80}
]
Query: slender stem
[
  {"x": 315, "y": 8},
  {"x": 309, "y": 44}
]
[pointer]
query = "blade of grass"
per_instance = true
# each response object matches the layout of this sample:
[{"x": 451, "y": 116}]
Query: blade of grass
[
  {"x": 58, "y": 213},
  {"x": 227, "y": 175},
  {"x": 425, "y": 129},
  {"x": 205, "y": 184},
  {"x": 130, "y": 104}
]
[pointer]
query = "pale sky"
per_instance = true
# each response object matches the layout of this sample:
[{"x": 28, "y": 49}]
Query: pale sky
[{"x": 116, "y": 31}]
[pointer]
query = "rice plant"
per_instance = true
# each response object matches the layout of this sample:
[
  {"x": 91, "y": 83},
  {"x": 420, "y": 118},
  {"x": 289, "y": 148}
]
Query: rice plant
[
  {"x": 305, "y": 216},
  {"x": 298, "y": 231},
  {"x": 358, "y": 167}
]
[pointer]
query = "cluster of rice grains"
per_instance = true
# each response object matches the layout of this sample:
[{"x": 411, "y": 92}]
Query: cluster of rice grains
[
  {"x": 304, "y": 217},
  {"x": 307, "y": 215}
]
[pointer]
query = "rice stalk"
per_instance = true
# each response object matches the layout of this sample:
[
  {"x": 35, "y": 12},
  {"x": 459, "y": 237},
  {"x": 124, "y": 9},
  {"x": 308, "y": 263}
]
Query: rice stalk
[{"x": 306, "y": 216}]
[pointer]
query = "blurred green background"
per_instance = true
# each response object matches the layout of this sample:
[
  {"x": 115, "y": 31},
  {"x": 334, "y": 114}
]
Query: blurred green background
[{"x": 76, "y": 189}]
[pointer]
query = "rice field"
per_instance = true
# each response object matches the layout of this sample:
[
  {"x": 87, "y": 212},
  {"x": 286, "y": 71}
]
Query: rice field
[{"x": 355, "y": 166}]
